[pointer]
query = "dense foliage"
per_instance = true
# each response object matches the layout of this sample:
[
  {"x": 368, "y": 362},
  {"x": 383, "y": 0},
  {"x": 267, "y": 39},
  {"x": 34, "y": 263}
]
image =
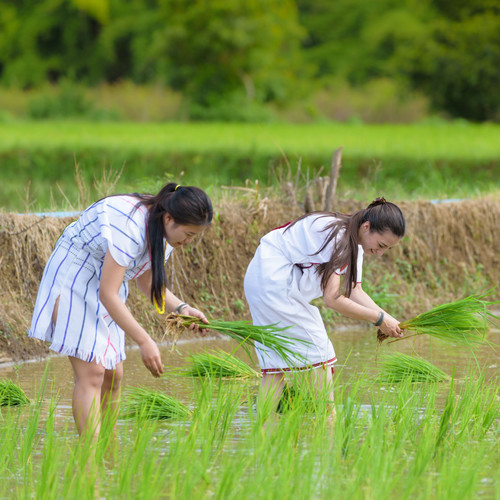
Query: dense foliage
[{"x": 229, "y": 55}]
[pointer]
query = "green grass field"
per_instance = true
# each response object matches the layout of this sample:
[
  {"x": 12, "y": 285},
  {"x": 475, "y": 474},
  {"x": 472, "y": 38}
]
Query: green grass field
[
  {"x": 418, "y": 441},
  {"x": 433, "y": 160}
]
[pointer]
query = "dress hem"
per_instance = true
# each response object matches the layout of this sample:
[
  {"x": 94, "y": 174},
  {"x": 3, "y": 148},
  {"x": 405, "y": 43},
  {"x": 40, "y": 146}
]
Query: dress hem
[
  {"x": 324, "y": 364},
  {"x": 89, "y": 357}
]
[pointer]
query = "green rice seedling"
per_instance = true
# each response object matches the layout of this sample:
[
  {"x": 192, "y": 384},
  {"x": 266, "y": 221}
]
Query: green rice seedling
[
  {"x": 462, "y": 322},
  {"x": 243, "y": 332},
  {"x": 11, "y": 394},
  {"x": 218, "y": 364},
  {"x": 141, "y": 402},
  {"x": 288, "y": 398},
  {"x": 399, "y": 367}
]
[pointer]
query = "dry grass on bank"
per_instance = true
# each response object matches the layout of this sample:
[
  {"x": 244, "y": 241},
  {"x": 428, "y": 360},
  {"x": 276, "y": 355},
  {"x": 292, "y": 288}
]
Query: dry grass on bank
[{"x": 449, "y": 252}]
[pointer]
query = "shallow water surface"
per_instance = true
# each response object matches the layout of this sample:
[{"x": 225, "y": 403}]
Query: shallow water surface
[{"x": 356, "y": 350}]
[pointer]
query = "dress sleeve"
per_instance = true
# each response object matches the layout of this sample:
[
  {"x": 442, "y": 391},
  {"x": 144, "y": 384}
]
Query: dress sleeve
[
  {"x": 168, "y": 252},
  {"x": 123, "y": 226},
  {"x": 359, "y": 265}
]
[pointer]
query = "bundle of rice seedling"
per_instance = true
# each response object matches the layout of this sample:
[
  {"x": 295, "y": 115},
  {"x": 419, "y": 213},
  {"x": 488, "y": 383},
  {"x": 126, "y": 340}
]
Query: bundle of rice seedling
[
  {"x": 144, "y": 403},
  {"x": 218, "y": 364},
  {"x": 462, "y": 322},
  {"x": 399, "y": 367},
  {"x": 288, "y": 398},
  {"x": 244, "y": 332},
  {"x": 11, "y": 394}
]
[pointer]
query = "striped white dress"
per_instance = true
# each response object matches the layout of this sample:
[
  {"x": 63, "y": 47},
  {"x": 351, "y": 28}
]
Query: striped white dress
[
  {"x": 84, "y": 329},
  {"x": 280, "y": 283}
]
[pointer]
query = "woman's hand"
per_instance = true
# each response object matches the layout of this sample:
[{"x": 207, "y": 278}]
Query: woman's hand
[
  {"x": 390, "y": 326},
  {"x": 192, "y": 311},
  {"x": 151, "y": 357}
]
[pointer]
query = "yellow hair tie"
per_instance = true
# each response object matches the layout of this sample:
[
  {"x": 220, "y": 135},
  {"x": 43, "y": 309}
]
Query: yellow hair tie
[
  {"x": 162, "y": 310},
  {"x": 178, "y": 185}
]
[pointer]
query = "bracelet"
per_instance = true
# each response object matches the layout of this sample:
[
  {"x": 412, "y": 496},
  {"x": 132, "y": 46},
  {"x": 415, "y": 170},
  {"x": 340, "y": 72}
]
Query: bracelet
[
  {"x": 380, "y": 318},
  {"x": 181, "y": 306}
]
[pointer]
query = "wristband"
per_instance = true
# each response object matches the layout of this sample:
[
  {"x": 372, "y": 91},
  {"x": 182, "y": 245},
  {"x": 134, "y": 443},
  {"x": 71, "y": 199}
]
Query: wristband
[
  {"x": 380, "y": 318},
  {"x": 181, "y": 306}
]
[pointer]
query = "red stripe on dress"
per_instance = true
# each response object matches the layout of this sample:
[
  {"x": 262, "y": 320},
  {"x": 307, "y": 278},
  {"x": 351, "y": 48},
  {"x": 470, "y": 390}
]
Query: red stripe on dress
[
  {"x": 304, "y": 266},
  {"x": 135, "y": 275},
  {"x": 138, "y": 204},
  {"x": 110, "y": 344},
  {"x": 284, "y": 225},
  {"x": 298, "y": 368}
]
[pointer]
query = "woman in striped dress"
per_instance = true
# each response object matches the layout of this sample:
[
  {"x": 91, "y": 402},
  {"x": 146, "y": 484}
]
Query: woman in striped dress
[
  {"x": 80, "y": 307},
  {"x": 305, "y": 260}
]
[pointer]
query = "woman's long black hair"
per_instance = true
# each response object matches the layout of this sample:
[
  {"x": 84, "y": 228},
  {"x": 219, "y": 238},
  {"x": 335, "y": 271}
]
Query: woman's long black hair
[
  {"x": 187, "y": 205},
  {"x": 381, "y": 214}
]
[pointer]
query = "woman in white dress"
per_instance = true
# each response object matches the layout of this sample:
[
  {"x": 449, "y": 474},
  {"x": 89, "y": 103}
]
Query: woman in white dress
[
  {"x": 304, "y": 260},
  {"x": 80, "y": 307}
]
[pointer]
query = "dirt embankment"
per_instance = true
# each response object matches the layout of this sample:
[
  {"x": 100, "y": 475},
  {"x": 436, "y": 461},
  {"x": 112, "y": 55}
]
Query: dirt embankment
[{"x": 450, "y": 251}]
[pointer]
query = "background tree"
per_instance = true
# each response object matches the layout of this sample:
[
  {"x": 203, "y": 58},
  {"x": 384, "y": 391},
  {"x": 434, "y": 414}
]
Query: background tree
[
  {"x": 218, "y": 49},
  {"x": 50, "y": 39},
  {"x": 227, "y": 58},
  {"x": 458, "y": 64}
]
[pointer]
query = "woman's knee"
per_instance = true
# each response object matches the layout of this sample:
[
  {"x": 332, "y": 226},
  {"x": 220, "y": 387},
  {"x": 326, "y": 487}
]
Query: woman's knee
[
  {"x": 113, "y": 378},
  {"x": 87, "y": 373}
]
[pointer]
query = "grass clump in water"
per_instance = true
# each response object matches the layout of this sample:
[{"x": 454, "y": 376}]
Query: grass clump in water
[
  {"x": 462, "y": 322},
  {"x": 218, "y": 364},
  {"x": 11, "y": 394},
  {"x": 144, "y": 403},
  {"x": 399, "y": 367}
]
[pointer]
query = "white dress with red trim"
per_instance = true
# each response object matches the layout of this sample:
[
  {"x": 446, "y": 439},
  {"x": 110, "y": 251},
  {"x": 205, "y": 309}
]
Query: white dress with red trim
[{"x": 281, "y": 281}]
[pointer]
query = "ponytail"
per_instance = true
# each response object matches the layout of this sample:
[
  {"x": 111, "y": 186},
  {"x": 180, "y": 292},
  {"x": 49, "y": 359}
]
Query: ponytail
[{"x": 187, "y": 205}]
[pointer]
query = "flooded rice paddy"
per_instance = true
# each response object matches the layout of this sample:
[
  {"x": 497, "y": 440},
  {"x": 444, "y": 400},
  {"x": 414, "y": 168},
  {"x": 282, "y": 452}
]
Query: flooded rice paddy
[
  {"x": 356, "y": 349},
  {"x": 418, "y": 441}
]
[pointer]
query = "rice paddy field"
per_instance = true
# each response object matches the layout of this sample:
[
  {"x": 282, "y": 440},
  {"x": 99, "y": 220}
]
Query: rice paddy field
[
  {"x": 391, "y": 439},
  {"x": 416, "y": 161},
  {"x": 415, "y": 419}
]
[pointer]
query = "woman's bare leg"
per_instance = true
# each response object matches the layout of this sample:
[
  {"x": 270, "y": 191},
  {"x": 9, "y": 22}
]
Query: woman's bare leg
[
  {"x": 321, "y": 381},
  {"x": 111, "y": 390},
  {"x": 89, "y": 378},
  {"x": 110, "y": 407},
  {"x": 54, "y": 312},
  {"x": 94, "y": 387},
  {"x": 270, "y": 392}
]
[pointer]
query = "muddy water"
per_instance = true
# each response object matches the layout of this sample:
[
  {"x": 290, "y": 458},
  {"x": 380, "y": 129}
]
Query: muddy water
[{"x": 356, "y": 351}]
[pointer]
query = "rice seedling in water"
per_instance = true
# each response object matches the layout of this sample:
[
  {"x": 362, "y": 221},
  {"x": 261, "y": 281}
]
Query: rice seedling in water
[
  {"x": 141, "y": 402},
  {"x": 399, "y": 367},
  {"x": 288, "y": 399},
  {"x": 462, "y": 322},
  {"x": 218, "y": 364},
  {"x": 243, "y": 332},
  {"x": 11, "y": 394}
]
